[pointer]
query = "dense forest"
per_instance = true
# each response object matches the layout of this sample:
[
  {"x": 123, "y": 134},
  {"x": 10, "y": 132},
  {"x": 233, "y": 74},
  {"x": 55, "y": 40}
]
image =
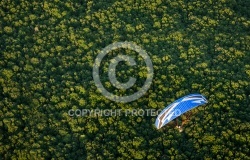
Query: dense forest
[{"x": 47, "y": 52}]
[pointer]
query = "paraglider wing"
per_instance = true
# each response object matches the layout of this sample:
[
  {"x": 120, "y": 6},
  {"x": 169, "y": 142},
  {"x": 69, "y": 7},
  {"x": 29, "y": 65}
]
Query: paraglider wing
[{"x": 178, "y": 108}]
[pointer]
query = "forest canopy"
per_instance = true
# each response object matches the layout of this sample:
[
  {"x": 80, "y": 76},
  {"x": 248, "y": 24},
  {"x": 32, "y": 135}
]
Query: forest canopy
[{"x": 47, "y": 52}]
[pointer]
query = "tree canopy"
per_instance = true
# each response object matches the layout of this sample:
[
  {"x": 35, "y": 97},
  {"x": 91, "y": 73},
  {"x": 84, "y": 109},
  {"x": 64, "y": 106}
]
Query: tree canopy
[{"x": 47, "y": 52}]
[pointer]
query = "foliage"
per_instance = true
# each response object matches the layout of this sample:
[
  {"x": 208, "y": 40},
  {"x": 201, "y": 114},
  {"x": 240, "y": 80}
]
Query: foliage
[{"x": 47, "y": 52}]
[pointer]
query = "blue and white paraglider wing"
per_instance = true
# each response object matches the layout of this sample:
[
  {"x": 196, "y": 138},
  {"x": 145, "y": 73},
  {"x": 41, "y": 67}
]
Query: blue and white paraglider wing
[{"x": 178, "y": 108}]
